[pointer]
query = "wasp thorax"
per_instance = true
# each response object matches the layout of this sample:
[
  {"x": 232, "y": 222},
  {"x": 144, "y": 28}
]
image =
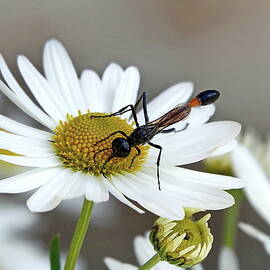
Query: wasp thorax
[
  {"x": 76, "y": 141},
  {"x": 182, "y": 242}
]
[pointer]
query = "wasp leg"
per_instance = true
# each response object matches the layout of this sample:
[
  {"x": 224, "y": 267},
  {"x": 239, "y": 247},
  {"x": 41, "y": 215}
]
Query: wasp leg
[
  {"x": 102, "y": 150},
  {"x": 138, "y": 153},
  {"x": 118, "y": 131},
  {"x": 158, "y": 160},
  {"x": 174, "y": 130},
  {"x": 146, "y": 117},
  {"x": 169, "y": 130},
  {"x": 128, "y": 108},
  {"x": 120, "y": 112},
  {"x": 103, "y": 166},
  {"x": 135, "y": 107}
]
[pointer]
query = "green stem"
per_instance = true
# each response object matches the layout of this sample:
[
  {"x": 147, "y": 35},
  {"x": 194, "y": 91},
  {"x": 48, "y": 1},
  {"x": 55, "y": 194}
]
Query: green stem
[
  {"x": 79, "y": 235},
  {"x": 231, "y": 219},
  {"x": 150, "y": 263}
]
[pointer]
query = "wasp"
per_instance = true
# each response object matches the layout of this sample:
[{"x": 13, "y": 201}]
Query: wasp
[{"x": 143, "y": 134}]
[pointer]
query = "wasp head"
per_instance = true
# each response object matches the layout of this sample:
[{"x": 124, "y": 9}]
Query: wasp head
[{"x": 120, "y": 147}]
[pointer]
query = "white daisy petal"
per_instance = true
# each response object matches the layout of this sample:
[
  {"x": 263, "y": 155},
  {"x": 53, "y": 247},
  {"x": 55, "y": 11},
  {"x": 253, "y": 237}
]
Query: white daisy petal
[
  {"x": 213, "y": 180},
  {"x": 257, "y": 187},
  {"x": 194, "y": 144},
  {"x": 93, "y": 91},
  {"x": 45, "y": 198},
  {"x": 113, "y": 264},
  {"x": 194, "y": 194},
  {"x": 26, "y": 150},
  {"x": 27, "y": 105},
  {"x": 167, "y": 100},
  {"x": 197, "y": 267},
  {"x": 19, "y": 97},
  {"x": 62, "y": 76},
  {"x": 75, "y": 188},
  {"x": 25, "y": 145},
  {"x": 96, "y": 189},
  {"x": 41, "y": 162},
  {"x": 185, "y": 192},
  {"x": 255, "y": 233},
  {"x": 227, "y": 260},
  {"x": 24, "y": 130},
  {"x": 9, "y": 137},
  {"x": 117, "y": 194},
  {"x": 158, "y": 202},
  {"x": 224, "y": 149},
  {"x": 50, "y": 65},
  {"x": 127, "y": 90},
  {"x": 144, "y": 251},
  {"x": 28, "y": 180},
  {"x": 110, "y": 81},
  {"x": 143, "y": 248},
  {"x": 40, "y": 88},
  {"x": 67, "y": 191}
]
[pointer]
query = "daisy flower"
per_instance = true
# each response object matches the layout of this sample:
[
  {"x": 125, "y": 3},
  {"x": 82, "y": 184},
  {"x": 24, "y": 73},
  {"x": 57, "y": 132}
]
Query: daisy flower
[
  {"x": 62, "y": 157},
  {"x": 144, "y": 251},
  {"x": 251, "y": 163}
]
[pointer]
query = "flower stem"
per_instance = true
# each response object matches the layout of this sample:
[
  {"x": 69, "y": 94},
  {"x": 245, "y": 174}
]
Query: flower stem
[
  {"x": 230, "y": 220},
  {"x": 150, "y": 263},
  {"x": 79, "y": 235}
]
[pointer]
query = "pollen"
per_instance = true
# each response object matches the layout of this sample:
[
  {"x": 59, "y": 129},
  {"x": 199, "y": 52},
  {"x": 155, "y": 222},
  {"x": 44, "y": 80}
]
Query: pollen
[{"x": 79, "y": 144}]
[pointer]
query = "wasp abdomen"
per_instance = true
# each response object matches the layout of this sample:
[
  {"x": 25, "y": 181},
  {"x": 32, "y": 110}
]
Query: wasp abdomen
[
  {"x": 204, "y": 98},
  {"x": 208, "y": 97}
]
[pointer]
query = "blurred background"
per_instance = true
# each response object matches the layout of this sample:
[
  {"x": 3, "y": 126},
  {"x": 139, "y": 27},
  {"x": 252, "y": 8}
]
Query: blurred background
[{"x": 217, "y": 44}]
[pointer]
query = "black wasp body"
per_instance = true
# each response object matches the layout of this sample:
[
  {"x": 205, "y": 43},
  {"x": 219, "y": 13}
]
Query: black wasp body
[{"x": 121, "y": 146}]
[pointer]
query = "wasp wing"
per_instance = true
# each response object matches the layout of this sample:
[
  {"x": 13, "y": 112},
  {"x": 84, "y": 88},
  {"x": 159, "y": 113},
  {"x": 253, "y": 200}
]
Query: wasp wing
[{"x": 179, "y": 113}]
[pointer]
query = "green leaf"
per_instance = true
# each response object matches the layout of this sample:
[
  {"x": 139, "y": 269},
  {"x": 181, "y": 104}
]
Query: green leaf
[{"x": 55, "y": 253}]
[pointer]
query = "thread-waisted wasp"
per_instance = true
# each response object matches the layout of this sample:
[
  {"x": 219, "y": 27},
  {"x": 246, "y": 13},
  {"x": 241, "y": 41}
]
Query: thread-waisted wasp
[{"x": 121, "y": 146}]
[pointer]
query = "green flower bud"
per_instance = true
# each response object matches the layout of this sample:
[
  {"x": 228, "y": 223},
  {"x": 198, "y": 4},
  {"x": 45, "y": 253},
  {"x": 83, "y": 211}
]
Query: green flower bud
[{"x": 183, "y": 243}]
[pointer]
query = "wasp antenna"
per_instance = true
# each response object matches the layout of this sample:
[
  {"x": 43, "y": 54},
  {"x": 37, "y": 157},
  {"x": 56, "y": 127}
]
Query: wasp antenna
[{"x": 204, "y": 98}]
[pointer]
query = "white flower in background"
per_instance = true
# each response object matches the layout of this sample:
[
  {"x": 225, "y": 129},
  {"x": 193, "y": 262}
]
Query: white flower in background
[
  {"x": 251, "y": 163},
  {"x": 144, "y": 251},
  {"x": 257, "y": 234},
  {"x": 17, "y": 253},
  {"x": 62, "y": 158},
  {"x": 227, "y": 260}
]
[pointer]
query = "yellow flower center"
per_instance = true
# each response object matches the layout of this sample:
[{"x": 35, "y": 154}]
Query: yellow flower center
[{"x": 77, "y": 143}]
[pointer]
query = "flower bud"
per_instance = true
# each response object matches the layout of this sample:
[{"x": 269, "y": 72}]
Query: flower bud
[{"x": 183, "y": 243}]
